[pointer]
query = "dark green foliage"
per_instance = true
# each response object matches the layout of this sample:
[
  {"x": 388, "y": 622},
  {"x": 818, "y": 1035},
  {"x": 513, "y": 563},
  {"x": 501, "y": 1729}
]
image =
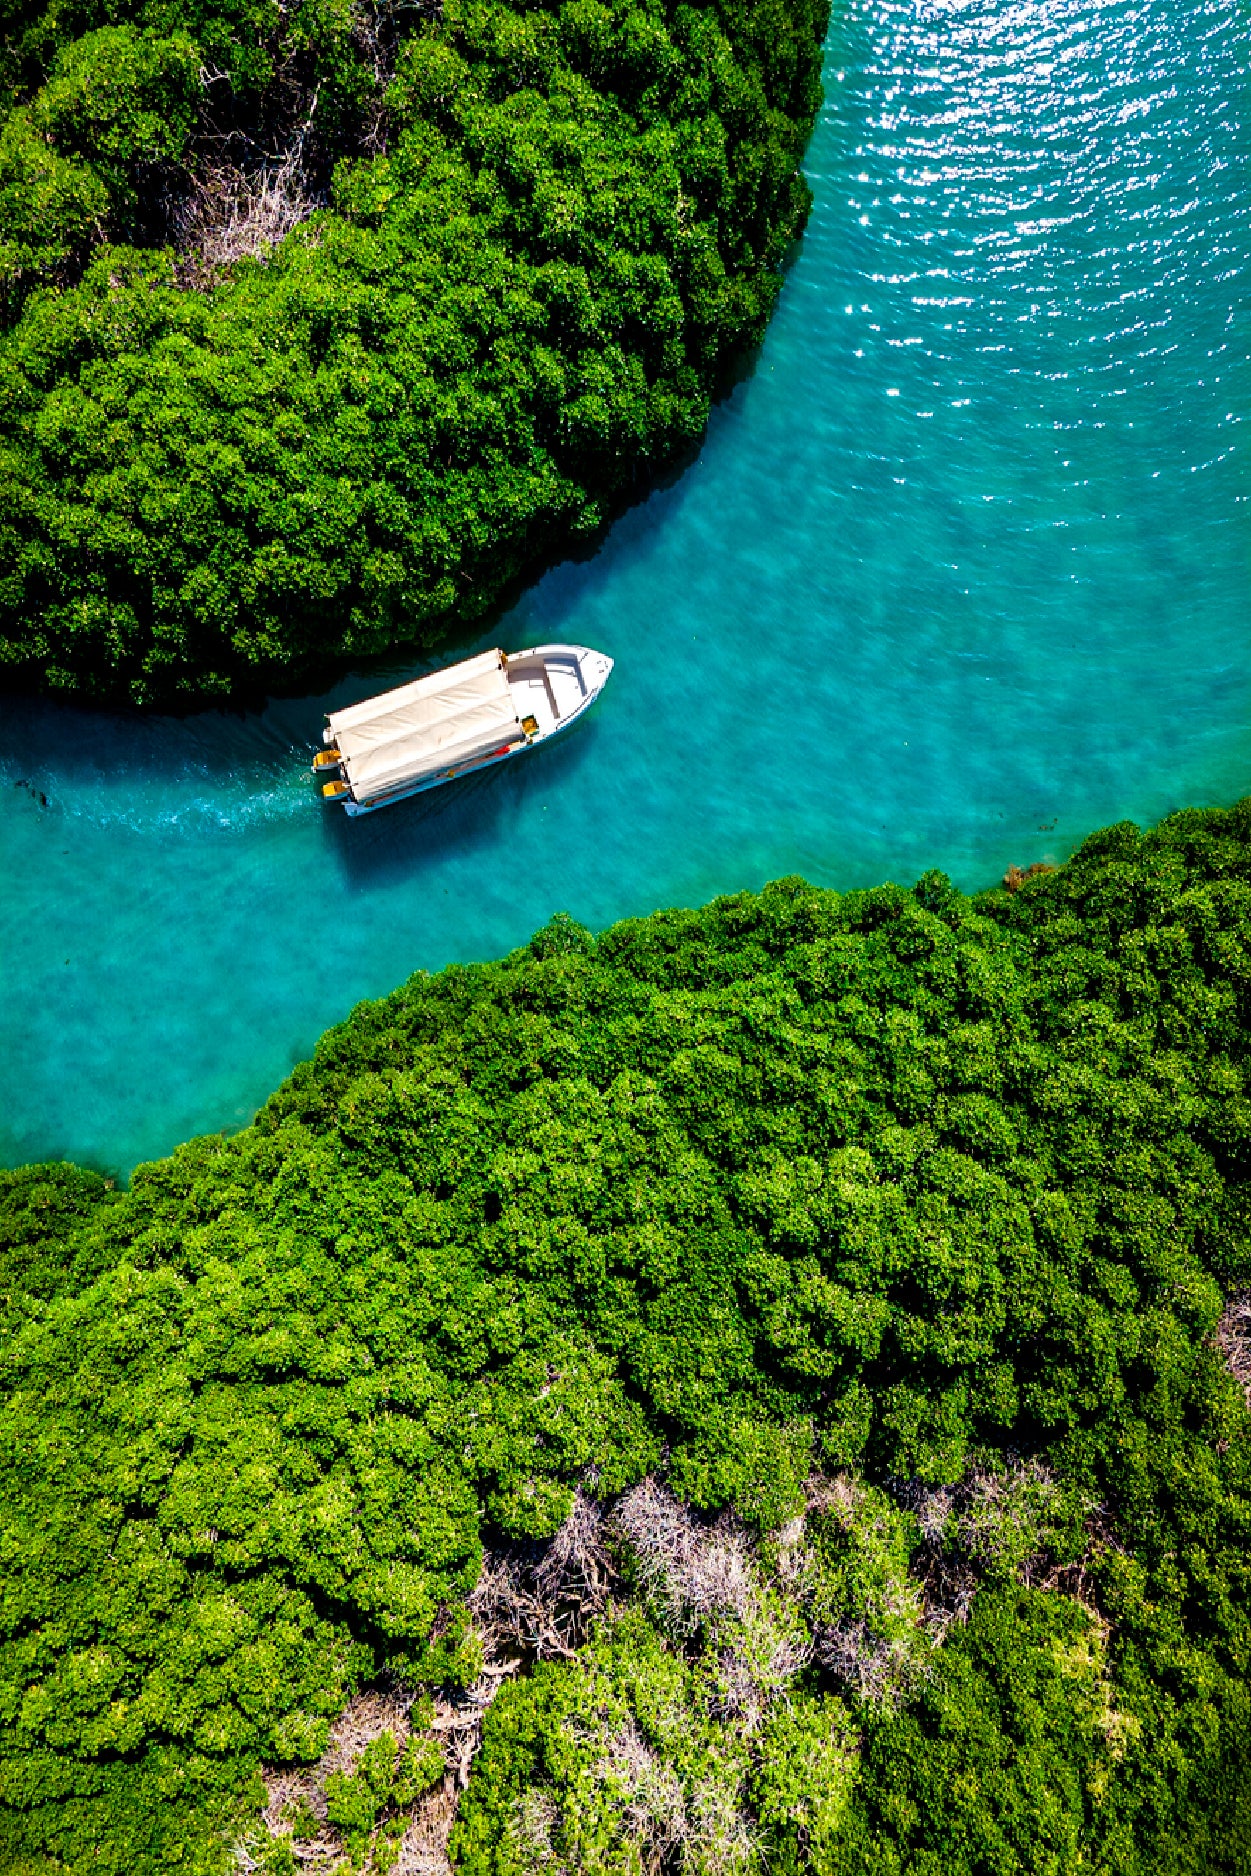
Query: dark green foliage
[
  {"x": 936, "y": 1188},
  {"x": 474, "y": 350},
  {"x": 998, "y": 1766},
  {"x": 117, "y": 98}
]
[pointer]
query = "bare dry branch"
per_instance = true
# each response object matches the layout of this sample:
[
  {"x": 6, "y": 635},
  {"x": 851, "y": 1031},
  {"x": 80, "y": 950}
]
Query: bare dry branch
[
  {"x": 1233, "y": 1339},
  {"x": 539, "y": 1601},
  {"x": 879, "y": 1668},
  {"x": 234, "y": 214},
  {"x": 692, "y": 1569}
]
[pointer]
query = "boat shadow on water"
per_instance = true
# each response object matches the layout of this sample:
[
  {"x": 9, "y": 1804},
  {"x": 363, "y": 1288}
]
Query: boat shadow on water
[{"x": 461, "y": 818}]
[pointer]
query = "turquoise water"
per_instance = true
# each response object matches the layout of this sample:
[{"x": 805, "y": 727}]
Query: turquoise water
[{"x": 960, "y": 574}]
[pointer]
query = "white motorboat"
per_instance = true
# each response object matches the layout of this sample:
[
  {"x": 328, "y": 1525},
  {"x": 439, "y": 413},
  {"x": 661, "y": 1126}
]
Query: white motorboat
[{"x": 470, "y": 716}]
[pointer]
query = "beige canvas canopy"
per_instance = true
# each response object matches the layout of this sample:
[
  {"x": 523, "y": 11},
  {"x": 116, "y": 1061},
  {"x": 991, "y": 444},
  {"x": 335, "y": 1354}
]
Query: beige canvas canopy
[{"x": 438, "y": 722}]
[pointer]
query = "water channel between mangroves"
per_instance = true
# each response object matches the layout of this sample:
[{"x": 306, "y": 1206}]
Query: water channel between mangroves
[{"x": 960, "y": 574}]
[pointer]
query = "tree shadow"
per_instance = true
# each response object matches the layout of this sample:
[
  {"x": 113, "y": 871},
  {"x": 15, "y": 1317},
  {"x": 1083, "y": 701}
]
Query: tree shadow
[{"x": 47, "y": 744}]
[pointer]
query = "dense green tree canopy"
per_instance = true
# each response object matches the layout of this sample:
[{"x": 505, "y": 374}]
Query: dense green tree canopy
[
  {"x": 939, "y": 1200},
  {"x": 322, "y": 322}
]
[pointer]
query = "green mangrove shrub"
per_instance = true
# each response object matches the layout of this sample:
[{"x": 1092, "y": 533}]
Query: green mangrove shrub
[
  {"x": 324, "y": 322},
  {"x": 941, "y": 1201}
]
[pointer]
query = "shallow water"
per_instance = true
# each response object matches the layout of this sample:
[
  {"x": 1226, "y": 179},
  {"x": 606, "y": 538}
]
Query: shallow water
[{"x": 960, "y": 574}]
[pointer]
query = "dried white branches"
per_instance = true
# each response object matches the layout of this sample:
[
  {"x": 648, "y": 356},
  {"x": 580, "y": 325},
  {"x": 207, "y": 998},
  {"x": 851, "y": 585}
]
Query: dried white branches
[
  {"x": 691, "y": 1570},
  {"x": 531, "y": 1602},
  {"x": 235, "y": 213},
  {"x": 1233, "y": 1339},
  {"x": 653, "y": 1802}
]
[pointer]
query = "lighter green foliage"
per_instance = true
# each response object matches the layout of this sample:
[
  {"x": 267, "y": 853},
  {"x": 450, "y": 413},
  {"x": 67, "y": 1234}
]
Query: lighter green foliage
[
  {"x": 49, "y": 203},
  {"x": 685, "y": 1734},
  {"x": 386, "y": 1778},
  {"x": 1008, "y": 1517},
  {"x": 851, "y": 1572},
  {"x": 804, "y": 1782},
  {"x": 630, "y": 1755}
]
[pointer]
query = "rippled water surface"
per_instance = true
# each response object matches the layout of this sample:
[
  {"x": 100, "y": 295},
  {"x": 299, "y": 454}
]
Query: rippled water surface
[{"x": 961, "y": 573}]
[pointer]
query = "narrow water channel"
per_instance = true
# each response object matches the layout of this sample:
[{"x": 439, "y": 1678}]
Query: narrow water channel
[{"x": 961, "y": 573}]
